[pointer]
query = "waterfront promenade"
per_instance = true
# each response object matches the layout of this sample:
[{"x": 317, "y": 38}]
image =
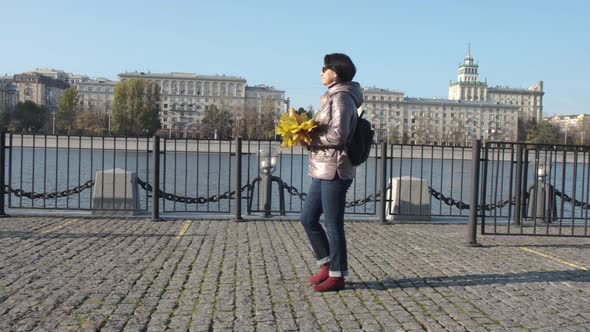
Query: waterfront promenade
[{"x": 69, "y": 274}]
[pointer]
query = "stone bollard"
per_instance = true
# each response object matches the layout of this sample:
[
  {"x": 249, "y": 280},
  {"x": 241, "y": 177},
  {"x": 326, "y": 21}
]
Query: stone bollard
[
  {"x": 410, "y": 199},
  {"x": 115, "y": 192}
]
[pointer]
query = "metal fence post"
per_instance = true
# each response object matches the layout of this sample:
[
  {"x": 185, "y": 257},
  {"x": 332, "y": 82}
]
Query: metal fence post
[
  {"x": 484, "y": 186},
  {"x": 525, "y": 175},
  {"x": 238, "y": 175},
  {"x": 518, "y": 185},
  {"x": 2, "y": 172},
  {"x": 156, "y": 179},
  {"x": 475, "y": 160},
  {"x": 383, "y": 182}
]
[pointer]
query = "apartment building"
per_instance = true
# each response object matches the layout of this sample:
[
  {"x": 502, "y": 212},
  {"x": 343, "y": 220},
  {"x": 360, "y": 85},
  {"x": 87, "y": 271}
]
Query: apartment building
[
  {"x": 261, "y": 98},
  {"x": 473, "y": 110},
  {"x": 96, "y": 94},
  {"x": 40, "y": 89},
  {"x": 469, "y": 87},
  {"x": 186, "y": 96},
  {"x": 8, "y": 94}
]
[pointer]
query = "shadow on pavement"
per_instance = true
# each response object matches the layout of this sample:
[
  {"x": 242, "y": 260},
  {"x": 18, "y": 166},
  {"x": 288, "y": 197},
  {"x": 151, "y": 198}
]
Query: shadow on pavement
[
  {"x": 576, "y": 275},
  {"x": 52, "y": 235}
]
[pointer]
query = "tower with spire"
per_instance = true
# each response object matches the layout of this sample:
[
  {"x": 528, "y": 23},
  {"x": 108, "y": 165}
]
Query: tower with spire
[
  {"x": 468, "y": 86},
  {"x": 468, "y": 70}
]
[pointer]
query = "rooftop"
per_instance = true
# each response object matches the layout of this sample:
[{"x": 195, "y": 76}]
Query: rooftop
[
  {"x": 373, "y": 89},
  {"x": 458, "y": 102},
  {"x": 178, "y": 75}
]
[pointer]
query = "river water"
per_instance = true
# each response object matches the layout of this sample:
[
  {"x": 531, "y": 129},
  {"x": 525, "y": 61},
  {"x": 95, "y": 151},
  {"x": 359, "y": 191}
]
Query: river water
[{"x": 203, "y": 174}]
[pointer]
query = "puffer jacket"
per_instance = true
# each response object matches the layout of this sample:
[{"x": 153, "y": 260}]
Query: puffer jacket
[{"x": 336, "y": 120}]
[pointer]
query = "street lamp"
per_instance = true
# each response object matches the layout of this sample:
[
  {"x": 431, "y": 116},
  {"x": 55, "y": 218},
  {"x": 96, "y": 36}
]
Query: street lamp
[
  {"x": 238, "y": 118},
  {"x": 268, "y": 161}
]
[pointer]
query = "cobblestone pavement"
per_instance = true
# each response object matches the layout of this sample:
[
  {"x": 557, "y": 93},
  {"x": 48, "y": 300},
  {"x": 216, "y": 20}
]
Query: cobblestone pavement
[{"x": 62, "y": 274}]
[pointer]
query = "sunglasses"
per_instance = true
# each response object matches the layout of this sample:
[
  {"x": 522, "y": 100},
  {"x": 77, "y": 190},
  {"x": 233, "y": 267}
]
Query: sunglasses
[{"x": 324, "y": 68}]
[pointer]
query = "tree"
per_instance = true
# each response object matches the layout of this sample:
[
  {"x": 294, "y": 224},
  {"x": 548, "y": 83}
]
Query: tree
[
  {"x": 544, "y": 133},
  {"x": 267, "y": 119},
  {"x": 28, "y": 117},
  {"x": 582, "y": 135},
  {"x": 456, "y": 133},
  {"x": 4, "y": 118},
  {"x": 308, "y": 112},
  {"x": 135, "y": 108},
  {"x": 525, "y": 128},
  {"x": 92, "y": 123},
  {"x": 218, "y": 120},
  {"x": 250, "y": 122},
  {"x": 67, "y": 110},
  {"x": 424, "y": 131},
  {"x": 393, "y": 137}
]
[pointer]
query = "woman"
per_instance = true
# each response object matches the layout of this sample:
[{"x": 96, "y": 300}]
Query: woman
[{"x": 331, "y": 171}]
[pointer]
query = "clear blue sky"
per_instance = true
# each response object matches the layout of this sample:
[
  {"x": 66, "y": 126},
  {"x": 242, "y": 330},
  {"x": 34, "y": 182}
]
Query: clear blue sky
[{"x": 412, "y": 46}]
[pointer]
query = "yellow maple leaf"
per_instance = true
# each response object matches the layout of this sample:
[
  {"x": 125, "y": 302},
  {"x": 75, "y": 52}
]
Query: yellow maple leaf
[{"x": 295, "y": 128}]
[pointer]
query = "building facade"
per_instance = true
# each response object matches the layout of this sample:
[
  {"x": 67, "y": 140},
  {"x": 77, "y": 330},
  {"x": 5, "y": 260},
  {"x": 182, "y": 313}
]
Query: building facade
[
  {"x": 469, "y": 87},
  {"x": 96, "y": 94},
  {"x": 8, "y": 94},
  {"x": 184, "y": 97},
  {"x": 40, "y": 89},
  {"x": 472, "y": 111},
  {"x": 397, "y": 118},
  {"x": 262, "y": 98}
]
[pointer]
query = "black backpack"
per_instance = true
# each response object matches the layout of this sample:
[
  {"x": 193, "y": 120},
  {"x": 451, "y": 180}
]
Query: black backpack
[{"x": 359, "y": 147}]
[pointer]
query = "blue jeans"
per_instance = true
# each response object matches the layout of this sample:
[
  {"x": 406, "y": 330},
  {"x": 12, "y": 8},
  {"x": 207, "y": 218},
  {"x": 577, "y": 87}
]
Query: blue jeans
[{"x": 328, "y": 197}]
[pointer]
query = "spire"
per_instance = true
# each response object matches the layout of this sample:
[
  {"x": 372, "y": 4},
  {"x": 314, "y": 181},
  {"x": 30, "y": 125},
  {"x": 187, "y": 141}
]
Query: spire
[
  {"x": 468, "y": 61},
  {"x": 468, "y": 70},
  {"x": 468, "y": 58}
]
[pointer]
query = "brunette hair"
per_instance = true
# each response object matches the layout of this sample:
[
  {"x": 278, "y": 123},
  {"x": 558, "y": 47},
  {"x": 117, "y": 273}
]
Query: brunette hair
[{"x": 342, "y": 65}]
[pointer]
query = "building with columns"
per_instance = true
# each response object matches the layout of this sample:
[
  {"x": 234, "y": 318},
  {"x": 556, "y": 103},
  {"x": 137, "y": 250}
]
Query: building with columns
[
  {"x": 469, "y": 87},
  {"x": 184, "y": 97},
  {"x": 397, "y": 118},
  {"x": 473, "y": 110}
]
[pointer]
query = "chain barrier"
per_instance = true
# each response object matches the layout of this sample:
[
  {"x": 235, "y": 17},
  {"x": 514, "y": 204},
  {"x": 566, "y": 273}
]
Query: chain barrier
[
  {"x": 290, "y": 189},
  {"x": 190, "y": 200},
  {"x": 464, "y": 206},
  {"x": 49, "y": 195},
  {"x": 295, "y": 192},
  {"x": 373, "y": 197},
  {"x": 568, "y": 199}
]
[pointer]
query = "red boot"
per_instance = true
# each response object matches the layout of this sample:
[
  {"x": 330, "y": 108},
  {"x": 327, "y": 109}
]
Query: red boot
[
  {"x": 321, "y": 276},
  {"x": 330, "y": 284}
]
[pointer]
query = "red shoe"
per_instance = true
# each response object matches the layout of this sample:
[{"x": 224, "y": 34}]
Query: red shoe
[
  {"x": 321, "y": 276},
  {"x": 331, "y": 284}
]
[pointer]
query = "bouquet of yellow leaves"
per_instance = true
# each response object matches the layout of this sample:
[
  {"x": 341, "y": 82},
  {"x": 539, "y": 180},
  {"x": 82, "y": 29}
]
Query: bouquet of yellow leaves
[{"x": 295, "y": 129}]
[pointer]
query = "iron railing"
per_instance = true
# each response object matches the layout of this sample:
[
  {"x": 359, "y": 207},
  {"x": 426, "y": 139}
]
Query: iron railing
[
  {"x": 545, "y": 189},
  {"x": 215, "y": 176}
]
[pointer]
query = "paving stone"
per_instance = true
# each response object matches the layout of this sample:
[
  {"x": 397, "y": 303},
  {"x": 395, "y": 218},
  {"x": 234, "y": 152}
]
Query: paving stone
[{"x": 252, "y": 276}]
